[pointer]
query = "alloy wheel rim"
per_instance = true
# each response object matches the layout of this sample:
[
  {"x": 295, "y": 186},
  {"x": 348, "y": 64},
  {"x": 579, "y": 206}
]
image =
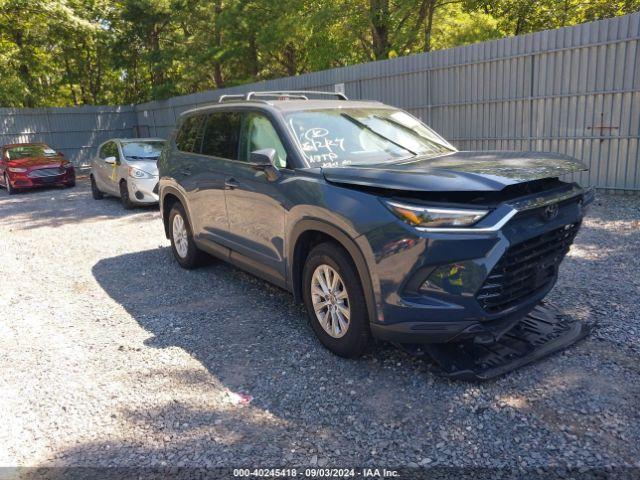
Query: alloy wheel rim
[
  {"x": 180, "y": 236},
  {"x": 330, "y": 301}
]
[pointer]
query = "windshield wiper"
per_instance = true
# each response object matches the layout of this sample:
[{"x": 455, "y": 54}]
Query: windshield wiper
[
  {"x": 367, "y": 127},
  {"x": 412, "y": 132}
]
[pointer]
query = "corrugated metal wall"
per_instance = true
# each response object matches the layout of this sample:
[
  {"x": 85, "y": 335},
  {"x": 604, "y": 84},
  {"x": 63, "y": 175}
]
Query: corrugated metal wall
[
  {"x": 74, "y": 131},
  {"x": 558, "y": 90}
]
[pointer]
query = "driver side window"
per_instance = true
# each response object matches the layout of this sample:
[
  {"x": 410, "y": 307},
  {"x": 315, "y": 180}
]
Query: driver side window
[{"x": 259, "y": 133}]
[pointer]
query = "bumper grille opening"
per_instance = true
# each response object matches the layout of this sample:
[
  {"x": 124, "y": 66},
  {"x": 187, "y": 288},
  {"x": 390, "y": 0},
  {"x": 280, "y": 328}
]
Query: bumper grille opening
[
  {"x": 45, "y": 172},
  {"x": 525, "y": 269}
]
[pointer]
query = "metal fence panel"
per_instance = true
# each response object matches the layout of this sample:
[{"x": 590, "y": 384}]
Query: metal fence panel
[
  {"x": 74, "y": 131},
  {"x": 574, "y": 90}
]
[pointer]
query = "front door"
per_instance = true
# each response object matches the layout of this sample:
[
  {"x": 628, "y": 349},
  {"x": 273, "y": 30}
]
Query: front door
[
  {"x": 255, "y": 205},
  {"x": 107, "y": 174}
]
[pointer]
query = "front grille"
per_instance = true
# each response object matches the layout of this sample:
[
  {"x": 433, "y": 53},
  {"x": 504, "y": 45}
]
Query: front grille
[
  {"x": 525, "y": 269},
  {"x": 45, "y": 172}
]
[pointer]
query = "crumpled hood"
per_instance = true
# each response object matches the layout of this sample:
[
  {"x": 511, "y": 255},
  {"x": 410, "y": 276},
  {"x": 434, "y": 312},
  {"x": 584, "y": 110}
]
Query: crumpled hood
[{"x": 459, "y": 171}]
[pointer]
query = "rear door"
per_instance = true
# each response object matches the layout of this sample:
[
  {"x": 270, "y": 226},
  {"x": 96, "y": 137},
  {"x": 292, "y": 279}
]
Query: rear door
[
  {"x": 255, "y": 204},
  {"x": 217, "y": 149}
]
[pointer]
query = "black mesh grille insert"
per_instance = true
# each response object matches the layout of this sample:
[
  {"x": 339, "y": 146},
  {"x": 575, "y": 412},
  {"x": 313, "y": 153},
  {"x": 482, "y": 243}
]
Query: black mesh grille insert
[{"x": 525, "y": 269}]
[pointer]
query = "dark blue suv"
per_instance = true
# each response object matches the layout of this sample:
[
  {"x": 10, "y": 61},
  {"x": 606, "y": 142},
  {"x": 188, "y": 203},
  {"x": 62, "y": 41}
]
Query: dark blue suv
[{"x": 370, "y": 217}]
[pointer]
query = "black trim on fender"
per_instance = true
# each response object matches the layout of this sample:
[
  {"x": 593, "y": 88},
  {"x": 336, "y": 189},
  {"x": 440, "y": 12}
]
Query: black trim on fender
[
  {"x": 164, "y": 191},
  {"x": 293, "y": 280}
]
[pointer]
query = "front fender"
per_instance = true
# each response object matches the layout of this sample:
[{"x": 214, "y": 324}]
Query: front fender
[{"x": 360, "y": 254}]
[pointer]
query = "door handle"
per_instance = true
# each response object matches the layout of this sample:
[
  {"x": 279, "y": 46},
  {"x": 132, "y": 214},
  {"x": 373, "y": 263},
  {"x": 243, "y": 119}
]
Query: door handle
[
  {"x": 231, "y": 183},
  {"x": 185, "y": 172}
]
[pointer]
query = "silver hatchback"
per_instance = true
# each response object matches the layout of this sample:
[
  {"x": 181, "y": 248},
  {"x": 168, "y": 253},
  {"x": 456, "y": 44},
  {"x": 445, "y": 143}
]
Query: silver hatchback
[{"x": 126, "y": 168}]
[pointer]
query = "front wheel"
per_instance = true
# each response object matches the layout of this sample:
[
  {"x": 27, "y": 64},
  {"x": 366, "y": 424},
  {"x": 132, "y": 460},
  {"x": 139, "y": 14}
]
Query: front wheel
[
  {"x": 124, "y": 196},
  {"x": 335, "y": 301},
  {"x": 184, "y": 247}
]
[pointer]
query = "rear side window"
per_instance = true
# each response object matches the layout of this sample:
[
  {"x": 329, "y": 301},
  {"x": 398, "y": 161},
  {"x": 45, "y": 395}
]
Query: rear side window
[
  {"x": 187, "y": 139},
  {"x": 221, "y": 133}
]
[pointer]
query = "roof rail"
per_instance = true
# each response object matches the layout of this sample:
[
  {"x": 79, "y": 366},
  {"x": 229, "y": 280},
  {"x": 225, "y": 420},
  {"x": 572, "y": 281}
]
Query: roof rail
[
  {"x": 237, "y": 96},
  {"x": 279, "y": 94}
]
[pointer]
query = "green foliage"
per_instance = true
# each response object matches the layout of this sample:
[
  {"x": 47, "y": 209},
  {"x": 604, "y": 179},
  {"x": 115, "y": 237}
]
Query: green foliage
[{"x": 75, "y": 52}]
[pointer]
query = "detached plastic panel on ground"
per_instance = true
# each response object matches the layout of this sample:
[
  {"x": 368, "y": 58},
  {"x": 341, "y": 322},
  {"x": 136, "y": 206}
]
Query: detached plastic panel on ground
[{"x": 544, "y": 331}]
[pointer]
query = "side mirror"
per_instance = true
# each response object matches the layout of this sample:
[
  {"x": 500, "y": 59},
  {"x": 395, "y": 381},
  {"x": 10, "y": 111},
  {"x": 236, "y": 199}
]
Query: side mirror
[
  {"x": 110, "y": 160},
  {"x": 263, "y": 160}
]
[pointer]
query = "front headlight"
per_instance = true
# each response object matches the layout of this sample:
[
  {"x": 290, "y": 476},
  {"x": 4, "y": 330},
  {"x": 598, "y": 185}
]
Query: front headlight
[
  {"x": 432, "y": 217},
  {"x": 17, "y": 169},
  {"x": 137, "y": 173}
]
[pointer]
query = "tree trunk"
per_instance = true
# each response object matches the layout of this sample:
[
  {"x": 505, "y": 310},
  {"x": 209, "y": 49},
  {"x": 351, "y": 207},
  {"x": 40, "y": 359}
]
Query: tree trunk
[
  {"x": 431, "y": 8},
  {"x": 217, "y": 39},
  {"x": 157, "y": 74},
  {"x": 379, "y": 17},
  {"x": 254, "y": 62},
  {"x": 24, "y": 72},
  {"x": 290, "y": 60},
  {"x": 69, "y": 75}
]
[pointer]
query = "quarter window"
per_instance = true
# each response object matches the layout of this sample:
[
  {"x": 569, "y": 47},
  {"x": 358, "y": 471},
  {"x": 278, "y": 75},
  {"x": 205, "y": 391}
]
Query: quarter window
[
  {"x": 188, "y": 139},
  {"x": 259, "y": 134},
  {"x": 221, "y": 133}
]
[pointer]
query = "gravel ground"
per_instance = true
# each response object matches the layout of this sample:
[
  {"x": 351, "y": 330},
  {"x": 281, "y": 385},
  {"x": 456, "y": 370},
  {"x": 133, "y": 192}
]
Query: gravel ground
[{"x": 111, "y": 355}]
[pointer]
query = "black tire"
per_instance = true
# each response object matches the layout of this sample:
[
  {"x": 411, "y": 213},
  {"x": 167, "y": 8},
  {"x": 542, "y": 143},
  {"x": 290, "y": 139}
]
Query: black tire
[
  {"x": 357, "y": 338},
  {"x": 7, "y": 185},
  {"x": 124, "y": 196},
  {"x": 95, "y": 191},
  {"x": 194, "y": 257}
]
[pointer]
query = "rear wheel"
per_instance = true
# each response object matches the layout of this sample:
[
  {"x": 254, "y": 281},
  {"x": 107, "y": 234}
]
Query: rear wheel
[
  {"x": 124, "y": 196},
  {"x": 335, "y": 301},
  {"x": 95, "y": 191},
  {"x": 7, "y": 185},
  {"x": 182, "y": 243}
]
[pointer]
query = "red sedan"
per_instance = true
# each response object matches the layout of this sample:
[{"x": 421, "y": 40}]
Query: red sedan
[{"x": 27, "y": 165}]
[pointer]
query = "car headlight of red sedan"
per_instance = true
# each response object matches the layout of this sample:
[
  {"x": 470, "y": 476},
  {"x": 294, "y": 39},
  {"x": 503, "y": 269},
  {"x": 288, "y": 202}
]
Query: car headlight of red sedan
[{"x": 17, "y": 169}]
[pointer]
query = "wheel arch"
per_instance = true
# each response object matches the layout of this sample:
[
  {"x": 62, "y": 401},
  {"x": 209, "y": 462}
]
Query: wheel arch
[
  {"x": 169, "y": 197},
  {"x": 308, "y": 233}
]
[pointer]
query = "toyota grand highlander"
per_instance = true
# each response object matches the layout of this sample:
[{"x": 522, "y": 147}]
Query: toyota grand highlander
[{"x": 373, "y": 220}]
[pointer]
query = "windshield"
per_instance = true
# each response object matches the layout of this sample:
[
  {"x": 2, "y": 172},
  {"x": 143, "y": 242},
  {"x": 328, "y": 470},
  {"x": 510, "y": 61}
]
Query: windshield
[
  {"x": 25, "y": 151},
  {"x": 363, "y": 136},
  {"x": 142, "y": 150}
]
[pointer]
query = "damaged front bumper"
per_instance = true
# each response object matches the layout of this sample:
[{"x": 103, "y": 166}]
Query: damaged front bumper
[
  {"x": 451, "y": 287},
  {"x": 545, "y": 330}
]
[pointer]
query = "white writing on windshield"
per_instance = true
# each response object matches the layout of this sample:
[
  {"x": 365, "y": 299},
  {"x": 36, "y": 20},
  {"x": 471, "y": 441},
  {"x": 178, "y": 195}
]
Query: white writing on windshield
[{"x": 320, "y": 147}]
